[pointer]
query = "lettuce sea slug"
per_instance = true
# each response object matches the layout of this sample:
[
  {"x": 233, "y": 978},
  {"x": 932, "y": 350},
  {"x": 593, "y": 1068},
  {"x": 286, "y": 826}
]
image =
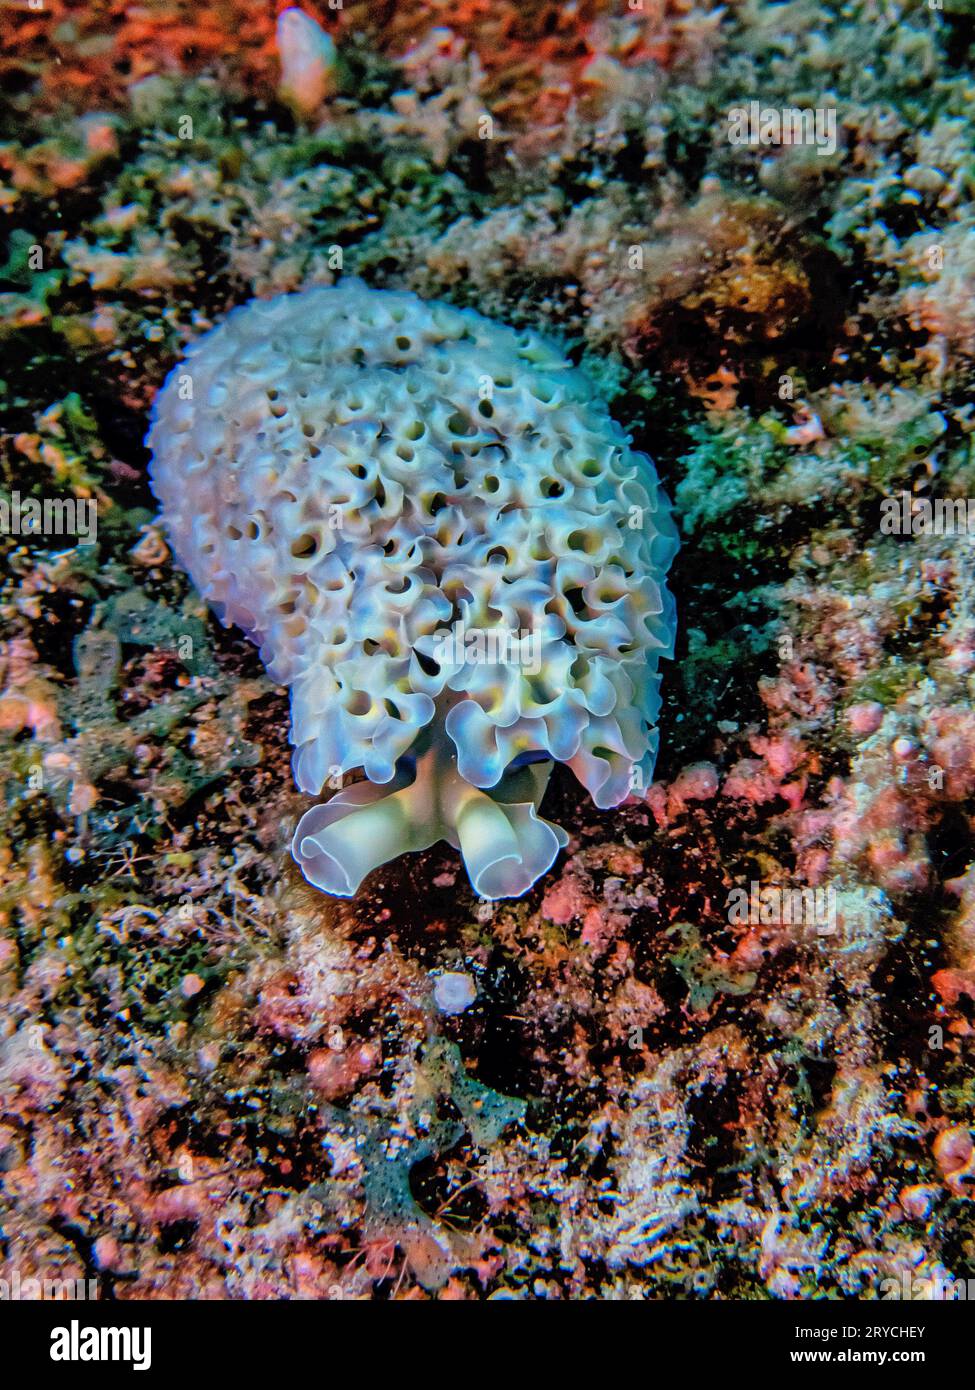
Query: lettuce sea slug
[{"x": 445, "y": 546}]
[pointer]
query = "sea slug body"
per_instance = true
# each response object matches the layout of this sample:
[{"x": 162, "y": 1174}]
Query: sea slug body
[{"x": 442, "y": 542}]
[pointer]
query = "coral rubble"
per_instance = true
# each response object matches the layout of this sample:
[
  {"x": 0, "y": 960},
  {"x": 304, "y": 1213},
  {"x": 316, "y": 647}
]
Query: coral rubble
[{"x": 724, "y": 1047}]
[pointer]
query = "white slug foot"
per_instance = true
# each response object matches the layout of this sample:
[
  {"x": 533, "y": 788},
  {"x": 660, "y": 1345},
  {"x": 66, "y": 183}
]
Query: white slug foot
[{"x": 504, "y": 843}]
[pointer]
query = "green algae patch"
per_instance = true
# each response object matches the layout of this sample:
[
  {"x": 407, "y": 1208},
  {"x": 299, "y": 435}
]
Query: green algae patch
[
  {"x": 704, "y": 976},
  {"x": 485, "y": 1112}
]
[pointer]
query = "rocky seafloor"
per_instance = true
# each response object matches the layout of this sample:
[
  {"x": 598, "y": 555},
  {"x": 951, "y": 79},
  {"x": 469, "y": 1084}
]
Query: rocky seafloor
[{"x": 216, "y": 1082}]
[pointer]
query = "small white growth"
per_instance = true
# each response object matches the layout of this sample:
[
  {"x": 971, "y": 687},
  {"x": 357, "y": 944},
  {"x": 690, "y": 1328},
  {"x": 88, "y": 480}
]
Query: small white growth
[
  {"x": 340, "y": 487},
  {"x": 308, "y": 62},
  {"x": 454, "y": 992}
]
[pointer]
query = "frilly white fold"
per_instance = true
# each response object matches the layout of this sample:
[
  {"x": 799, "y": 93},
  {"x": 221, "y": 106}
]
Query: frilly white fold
[{"x": 504, "y": 843}]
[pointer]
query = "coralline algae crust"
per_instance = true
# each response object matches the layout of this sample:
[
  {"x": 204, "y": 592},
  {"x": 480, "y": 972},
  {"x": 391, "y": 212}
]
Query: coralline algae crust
[{"x": 448, "y": 550}]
